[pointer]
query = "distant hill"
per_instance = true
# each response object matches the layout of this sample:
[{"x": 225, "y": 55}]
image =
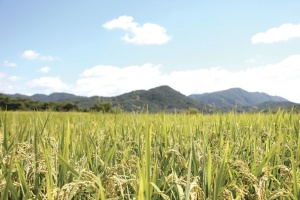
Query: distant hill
[
  {"x": 166, "y": 99},
  {"x": 235, "y": 97},
  {"x": 47, "y": 98},
  {"x": 162, "y": 98}
]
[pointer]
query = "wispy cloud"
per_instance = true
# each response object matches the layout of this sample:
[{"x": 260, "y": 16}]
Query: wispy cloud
[
  {"x": 146, "y": 34},
  {"x": 2, "y": 74},
  {"x": 7, "y": 63},
  {"x": 5, "y": 87},
  {"x": 47, "y": 58},
  {"x": 284, "y": 32},
  {"x": 14, "y": 78},
  {"x": 276, "y": 79},
  {"x": 33, "y": 55},
  {"x": 45, "y": 69}
]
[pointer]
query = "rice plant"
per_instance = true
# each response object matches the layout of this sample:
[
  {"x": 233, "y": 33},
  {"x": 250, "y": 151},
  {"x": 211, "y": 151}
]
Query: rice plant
[{"x": 149, "y": 156}]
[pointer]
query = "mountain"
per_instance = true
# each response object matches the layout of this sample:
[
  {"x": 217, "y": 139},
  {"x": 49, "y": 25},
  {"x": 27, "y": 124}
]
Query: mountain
[
  {"x": 47, "y": 98},
  {"x": 166, "y": 99},
  {"x": 53, "y": 97},
  {"x": 17, "y": 95},
  {"x": 162, "y": 98},
  {"x": 235, "y": 97}
]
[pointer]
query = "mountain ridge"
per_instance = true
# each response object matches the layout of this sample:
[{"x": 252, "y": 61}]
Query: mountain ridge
[
  {"x": 165, "y": 98},
  {"x": 162, "y": 98},
  {"x": 235, "y": 97}
]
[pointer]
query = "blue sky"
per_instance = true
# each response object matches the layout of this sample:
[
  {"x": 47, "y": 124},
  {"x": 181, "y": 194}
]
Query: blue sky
[{"x": 111, "y": 47}]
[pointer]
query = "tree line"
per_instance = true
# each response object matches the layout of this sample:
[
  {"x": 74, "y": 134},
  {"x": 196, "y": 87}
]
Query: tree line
[{"x": 25, "y": 104}]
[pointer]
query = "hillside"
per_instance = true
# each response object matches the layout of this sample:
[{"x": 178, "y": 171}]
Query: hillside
[
  {"x": 162, "y": 98},
  {"x": 48, "y": 98},
  {"x": 157, "y": 99},
  {"x": 235, "y": 97}
]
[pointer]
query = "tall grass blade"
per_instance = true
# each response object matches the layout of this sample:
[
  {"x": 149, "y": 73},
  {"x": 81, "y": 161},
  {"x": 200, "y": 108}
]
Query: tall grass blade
[
  {"x": 147, "y": 167},
  {"x": 267, "y": 157},
  {"x": 67, "y": 166},
  {"x": 208, "y": 172},
  {"x": 24, "y": 185},
  {"x": 141, "y": 192},
  {"x": 188, "y": 183},
  {"x": 101, "y": 190},
  {"x": 295, "y": 177},
  {"x": 221, "y": 174},
  {"x": 179, "y": 188}
]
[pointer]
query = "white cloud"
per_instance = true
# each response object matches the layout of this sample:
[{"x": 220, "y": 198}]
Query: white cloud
[
  {"x": 33, "y": 55},
  {"x": 253, "y": 59},
  {"x": 5, "y": 87},
  {"x": 7, "y": 63},
  {"x": 47, "y": 58},
  {"x": 14, "y": 78},
  {"x": 284, "y": 32},
  {"x": 146, "y": 34},
  {"x": 123, "y": 22},
  {"x": 275, "y": 79},
  {"x": 109, "y": 80},
  {"x": 30, "y": 54},
  {"x": 281, "y": 79},
  {"x": 2, "y": 75},
  {"x": 47, "y": 85},
  {"x": 45, "y": 69}
]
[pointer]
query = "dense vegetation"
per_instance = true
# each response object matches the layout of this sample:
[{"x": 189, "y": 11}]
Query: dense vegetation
[
  {"x": 149, "y": 156},
  {"x": 9, "y": 103},
  {"x": 155, "y": 100},
  {"x": 25, "y": 104}
]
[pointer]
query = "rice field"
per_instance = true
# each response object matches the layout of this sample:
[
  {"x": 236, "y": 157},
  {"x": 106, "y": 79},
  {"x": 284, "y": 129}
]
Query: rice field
[{"x": 149, "y": 156}]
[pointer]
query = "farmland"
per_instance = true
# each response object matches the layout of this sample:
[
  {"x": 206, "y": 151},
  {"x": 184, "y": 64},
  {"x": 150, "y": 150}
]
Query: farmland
[{"x": 149, "y": 156}]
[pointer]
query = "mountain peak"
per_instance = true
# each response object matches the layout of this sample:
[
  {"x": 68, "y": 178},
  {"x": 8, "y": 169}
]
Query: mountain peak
[{"x": 158, "y": 99}]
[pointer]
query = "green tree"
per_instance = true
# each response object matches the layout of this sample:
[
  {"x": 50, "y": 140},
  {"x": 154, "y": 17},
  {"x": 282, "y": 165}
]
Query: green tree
[
  {"x": 102, "y": 106},
  {"x": 69, "y": 107}
]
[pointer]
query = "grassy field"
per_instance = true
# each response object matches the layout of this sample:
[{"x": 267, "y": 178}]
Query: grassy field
[{"x": 149, "y": 156}]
